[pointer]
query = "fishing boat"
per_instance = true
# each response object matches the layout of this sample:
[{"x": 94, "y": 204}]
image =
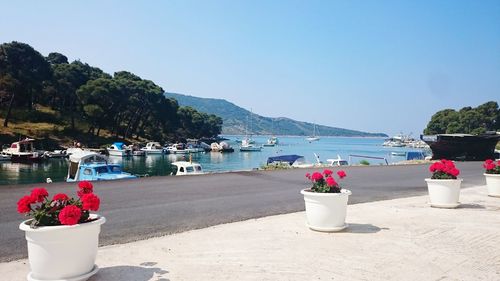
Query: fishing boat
[
  {"x": 187, "y": 168},
  {"x": 272, "y": 141},
  {"x": 91, "y": 166},
  {"x": 119, "y": 149},
  {"x": 246, "y": 146},
  {"x": 55, "y": 154},
  {"x": 314, "y": 136},
  {"x": 23, "y": 151},
  {"x": 153, "y": 148},
  {"x": 464, "y": 147},
  {"x": 177, "y": 148}
]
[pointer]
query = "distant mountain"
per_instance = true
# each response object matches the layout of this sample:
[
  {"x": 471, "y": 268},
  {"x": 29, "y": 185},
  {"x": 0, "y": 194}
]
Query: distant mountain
[{"x": 236, "y": 118}]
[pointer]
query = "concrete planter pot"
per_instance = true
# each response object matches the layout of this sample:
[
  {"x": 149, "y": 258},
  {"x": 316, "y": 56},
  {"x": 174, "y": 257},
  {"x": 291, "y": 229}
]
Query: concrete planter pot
[
  {"x": 326, "y": 211},
  {"x": 444, "y": 193},
  {"x": 63, "y": 252},
  {"x": 493, "y": 184}
]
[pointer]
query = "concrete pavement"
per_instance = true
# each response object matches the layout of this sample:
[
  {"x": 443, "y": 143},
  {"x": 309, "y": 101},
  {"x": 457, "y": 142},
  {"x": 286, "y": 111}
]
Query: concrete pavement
[{"x": 399, "y": 239}]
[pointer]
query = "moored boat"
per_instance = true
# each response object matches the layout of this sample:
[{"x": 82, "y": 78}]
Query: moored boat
[
  {"x": 23, "y": 151},
  {"x": 119, "y": 149},
  {"x": 90, "y": 166},
  {"x": 184, "y": 168},
  {"x": 153, "y": 148},
  {"x": 246, "y": 146}
]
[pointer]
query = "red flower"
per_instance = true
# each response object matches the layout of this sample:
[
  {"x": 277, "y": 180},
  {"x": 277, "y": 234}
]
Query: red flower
[
  {"x": 341, "y": 174},
  {"x": 454, "y": 172},
  {"x": 327, "y": 172},
  {"x": 90, "y": 202},
  {"x": 60, "y": 197},
  {"x": 70, "y": 215},
  {"x": 39, "y": 194},
  {"x": 85, "y": 188},
  {"x": 316, "y": 176},
  {"x": 330, "y": 181},
  {"x": 488, "y": 161},
  {"x": 308, "y": 175},
  {"x": 24, "y": 204},
  {"x": 489, "y": 166}
]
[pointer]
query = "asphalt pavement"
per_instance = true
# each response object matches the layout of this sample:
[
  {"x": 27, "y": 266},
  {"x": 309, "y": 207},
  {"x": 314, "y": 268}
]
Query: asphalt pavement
[{"x": 150, "y": 207}]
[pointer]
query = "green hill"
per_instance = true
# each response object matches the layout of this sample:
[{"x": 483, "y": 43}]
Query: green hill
[{"x": 235, "y": 120}]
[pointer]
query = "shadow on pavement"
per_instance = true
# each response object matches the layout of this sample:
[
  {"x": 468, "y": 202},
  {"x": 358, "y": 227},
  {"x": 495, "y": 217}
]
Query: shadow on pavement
[
  {"x": 362, "y": 228},
  {"x": 144, "y": 272}
]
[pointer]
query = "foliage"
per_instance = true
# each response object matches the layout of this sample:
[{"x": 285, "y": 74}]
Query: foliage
[
  {"x": 492, "y": 167},
  {"x": 467, "y": 120},
  {"x": 444, "y": 170},
  {"x": 324, "y": 182},
  {"x": 276, "y": 166},
  {"x": 364, "y": 162},
  {"x": 123, "y": 104},
  {"x": 61, "y": 209}
]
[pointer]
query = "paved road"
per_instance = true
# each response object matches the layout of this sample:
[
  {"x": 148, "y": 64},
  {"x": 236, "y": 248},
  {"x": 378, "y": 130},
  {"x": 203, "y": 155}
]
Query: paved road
[{"x": 148, "y": 207}]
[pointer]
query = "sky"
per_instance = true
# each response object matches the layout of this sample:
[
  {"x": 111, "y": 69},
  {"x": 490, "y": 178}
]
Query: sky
[{"x": 376, "y": 66}]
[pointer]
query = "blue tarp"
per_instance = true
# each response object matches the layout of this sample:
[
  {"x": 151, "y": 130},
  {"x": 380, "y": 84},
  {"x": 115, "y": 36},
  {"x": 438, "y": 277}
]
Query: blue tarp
[
  {"x": 284, "y": 158},
  {"x": 118, "y": 145},
  {"x": 415, "y": 155}
]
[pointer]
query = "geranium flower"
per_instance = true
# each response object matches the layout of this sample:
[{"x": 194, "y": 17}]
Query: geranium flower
[
  {"x": 24, "y": 204},
  {"x": 39, "y": 194},
  {"x": 330, "y": 181},
  {"x": 308, "y": 175},
  {"x": 341, "y": 174},
  {"x": 316, "y": 176},
  {"x": 86, "y": 187},
  {"x": 60, "y": 197},
  {"x": 90, "y": 202},
  {"x": 327, "y": 172},
  {"x": 70, "y": 215}
]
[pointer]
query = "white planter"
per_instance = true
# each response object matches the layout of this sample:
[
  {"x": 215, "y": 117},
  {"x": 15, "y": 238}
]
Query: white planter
[
  {"x": 326, "y": 211},
  {"x": 63, "y": 252},
  {"x": 493, "y": 184},
  {"x": 444, "y": 193}
]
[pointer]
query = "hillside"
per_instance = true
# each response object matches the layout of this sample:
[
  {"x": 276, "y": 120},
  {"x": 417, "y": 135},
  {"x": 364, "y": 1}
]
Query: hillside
[{"x": 235, "y": 119}]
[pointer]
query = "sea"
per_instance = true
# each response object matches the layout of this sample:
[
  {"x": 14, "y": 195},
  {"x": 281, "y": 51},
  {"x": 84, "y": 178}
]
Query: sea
[{"x": 352, "y": 149}]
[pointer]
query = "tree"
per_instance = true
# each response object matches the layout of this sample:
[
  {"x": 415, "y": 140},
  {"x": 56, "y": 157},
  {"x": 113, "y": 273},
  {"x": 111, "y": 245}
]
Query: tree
[
  {"x": 56, "y": 58},
  {"x": 25, "y": 70}
]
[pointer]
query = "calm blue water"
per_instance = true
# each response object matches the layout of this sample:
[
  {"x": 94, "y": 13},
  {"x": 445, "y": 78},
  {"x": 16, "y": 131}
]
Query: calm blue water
[{"x": 326, "y": 147}]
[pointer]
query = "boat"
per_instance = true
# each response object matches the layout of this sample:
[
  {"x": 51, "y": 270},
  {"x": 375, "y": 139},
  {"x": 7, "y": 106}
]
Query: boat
[
  {"x": 55, "y": 154},
  {"x": 23, "y": 151},
  {"x": 464, "y": 147},
  {"x": 313, "y": 137},
  {"x": 221, "y": 147},
  {"x": 91, "y": 166},
  {"x": 187, "y": 168},
  {"x": 4, "y": 156},
  {"x": 337, "y": 162},
  {"x": 177, "y": 148},
  {"x": 119, "y": 149},
  {"x": 292, "y": 160},
  {"x": 246, "y": 146},
  {"x": 272, "y": 141},
  {"x": 153, "y": 148},
  {"x": 136, "y": 150}
]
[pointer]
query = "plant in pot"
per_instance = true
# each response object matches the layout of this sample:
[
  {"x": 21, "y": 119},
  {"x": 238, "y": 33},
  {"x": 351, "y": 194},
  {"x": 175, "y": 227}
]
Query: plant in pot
[
  {"x": 62, "y": 234},
  {"x": 492, "y": 175},
  {"x": 443, "y": 186},
  {"x": 325, "y": 202}
]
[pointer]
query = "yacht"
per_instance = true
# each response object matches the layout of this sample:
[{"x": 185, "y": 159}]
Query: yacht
[
  {"x": 187, "y": 168},
  {"x": 119, "y": 149},
  {"x": 90, "y": 166},
  {"x": 313, "y": 137},
  {"x": 272, "y": 141},
  {"x": 23, "y": 151},
  {"x": 153, "y": 148},
  {"x": 247, "y": 146}
]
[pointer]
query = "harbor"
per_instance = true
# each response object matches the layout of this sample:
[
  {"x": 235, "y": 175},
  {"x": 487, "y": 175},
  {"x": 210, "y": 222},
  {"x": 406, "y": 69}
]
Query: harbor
[{"x": 352, "y": 150}]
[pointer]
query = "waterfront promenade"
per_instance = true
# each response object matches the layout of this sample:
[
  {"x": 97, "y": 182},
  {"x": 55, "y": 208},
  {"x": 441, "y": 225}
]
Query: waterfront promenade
[
  {"x": 399, "y": 239},
  {"x": 150, "y": 207}
]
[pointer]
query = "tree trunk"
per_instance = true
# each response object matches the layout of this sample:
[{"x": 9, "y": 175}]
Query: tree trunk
[{"x": 7, "y": 116}]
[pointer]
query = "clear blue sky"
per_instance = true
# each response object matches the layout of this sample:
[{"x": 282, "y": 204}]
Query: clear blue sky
[{"x": 379, "y": 66}]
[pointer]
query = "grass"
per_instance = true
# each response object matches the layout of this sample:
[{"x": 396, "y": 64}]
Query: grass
[{"x": 50, "y": 129}]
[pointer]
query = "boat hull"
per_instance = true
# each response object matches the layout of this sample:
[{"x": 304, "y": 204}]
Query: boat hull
[{"x": 462, "y": 147}]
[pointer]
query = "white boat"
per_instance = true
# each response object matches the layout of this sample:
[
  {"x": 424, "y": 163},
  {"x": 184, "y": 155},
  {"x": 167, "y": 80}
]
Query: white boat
[
  {"x": 153, "y": 148},
  {"x": 221, "y": 147},
  {"x": 91, "y": 166},
  {"x": 187, "y": 168},
  {"x": 314, "y": 136},
  {"x": 119, "y": 149},
  {"x": 272, "y": 141},
  {"x": 337, "y": 162},
  {"x": 55, "y": 154},
  {"x": 247, "y": 146},
  {"x": 23, "y": 151},
  {"x": 4, "y": 156},
  {"x": 177, "y": 148}
]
